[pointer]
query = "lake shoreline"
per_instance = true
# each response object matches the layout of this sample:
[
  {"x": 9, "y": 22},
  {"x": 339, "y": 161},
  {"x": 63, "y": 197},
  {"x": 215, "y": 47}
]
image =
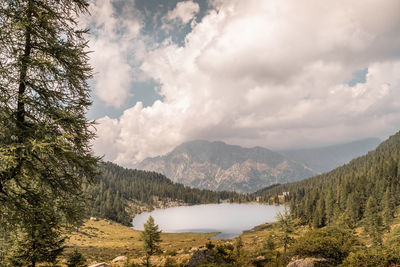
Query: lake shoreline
[{"x": 228, "y": 220}]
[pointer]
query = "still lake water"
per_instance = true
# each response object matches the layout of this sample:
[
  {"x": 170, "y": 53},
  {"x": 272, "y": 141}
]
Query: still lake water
[{"x": 228, "y": 219}]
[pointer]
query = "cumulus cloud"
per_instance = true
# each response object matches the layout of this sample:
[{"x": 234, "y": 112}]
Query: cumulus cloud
[
  {"x": 108, "y": 131},
  {"x": 271, "y": 73},
  {"x": 184, "y": 11},
  {"x": 113, "y": 41}
]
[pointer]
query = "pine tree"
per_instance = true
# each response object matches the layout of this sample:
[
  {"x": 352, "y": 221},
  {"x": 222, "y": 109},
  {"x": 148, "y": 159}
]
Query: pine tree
[
  {"x": 151, "y": 238},
  {"x": 351, "y": 214},
  {"x": 373, "y": 221},
  {"x": 238, "y": 246},
  {"x": 388, "y": 209},
  {"x": 319, "y": 218},
  {"x": 269, "y": 249},
  {"x": 286, "y": 227},
  {"x": 269, "y": 243},
  {"x": 329, "y": 206},
  {"x": 41, "y": 237},
  {"x": 45, "y": 152},
  {"x": 76, "y": 259}
]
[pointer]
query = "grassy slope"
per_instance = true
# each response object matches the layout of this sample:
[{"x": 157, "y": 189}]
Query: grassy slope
[{"x": 104, "y": 240}]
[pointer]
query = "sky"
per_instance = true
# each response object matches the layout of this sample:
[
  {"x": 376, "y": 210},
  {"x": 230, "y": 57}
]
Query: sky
[{"x": 274, "y": 73}]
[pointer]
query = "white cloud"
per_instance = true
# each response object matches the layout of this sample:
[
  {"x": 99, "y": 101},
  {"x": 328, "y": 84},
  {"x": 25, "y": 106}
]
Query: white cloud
[
  {"x": 112, "y": 41},
  {"x": 271, "y": 73},
  {"x": 184, "y": 11},
  {"x": 108, "y": 131}
]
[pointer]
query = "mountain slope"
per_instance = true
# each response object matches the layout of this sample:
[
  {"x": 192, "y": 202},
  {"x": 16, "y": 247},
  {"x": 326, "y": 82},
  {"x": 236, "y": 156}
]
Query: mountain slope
[
  {"x": 219, "y": 166},
  {"x": 119, "y": 191},
  {"x": 325, "y": 159},
  {"x": 342, "y": 195}
]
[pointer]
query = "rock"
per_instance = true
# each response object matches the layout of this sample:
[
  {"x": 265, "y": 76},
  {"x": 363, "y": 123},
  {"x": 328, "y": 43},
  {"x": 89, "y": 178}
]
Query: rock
[
  {"x": 93, "y": 219},
  {"x": 101, "y": 264},
  {"x": 199, "y": 257},
  {"x": 119, "y": 258},
  {"x": 260, "y": 261},
  {"x": 308, "y": 262}
]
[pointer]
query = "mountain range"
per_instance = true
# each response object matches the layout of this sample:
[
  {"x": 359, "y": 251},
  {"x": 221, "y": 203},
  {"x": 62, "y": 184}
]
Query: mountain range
[
  {"x": 220, "y": 166},
  {"x": 324, "y": 159}
]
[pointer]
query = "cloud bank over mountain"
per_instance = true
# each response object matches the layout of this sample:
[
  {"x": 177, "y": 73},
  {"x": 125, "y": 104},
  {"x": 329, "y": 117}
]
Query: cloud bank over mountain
[{"x": 273, "y": 73}]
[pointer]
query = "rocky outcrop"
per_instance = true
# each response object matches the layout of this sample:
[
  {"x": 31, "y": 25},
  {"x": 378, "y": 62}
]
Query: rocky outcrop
[
  {"x": 200, "y": 257},
  {"x": 219, "y": 166},
  {"x": 308, "y": 262}
]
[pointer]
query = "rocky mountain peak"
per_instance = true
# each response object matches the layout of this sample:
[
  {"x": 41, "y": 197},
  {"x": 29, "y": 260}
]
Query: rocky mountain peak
[{"x": 220, "y": 166}]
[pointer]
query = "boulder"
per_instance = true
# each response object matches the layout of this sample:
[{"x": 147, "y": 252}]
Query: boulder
[
  {"x": 119, "y": 258},
  {"x": 308, "y": 262},
  {"x": 101, "y": 264},
  {"x": 260, "y": 261},
  {"x": 199, "y": 257}
]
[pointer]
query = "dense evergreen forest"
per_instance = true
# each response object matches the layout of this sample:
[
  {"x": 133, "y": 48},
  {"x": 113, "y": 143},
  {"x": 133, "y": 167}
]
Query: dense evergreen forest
[
  {"x": 347, "y": 217},
  {"x": 118, "y": 192},
  {"x": 366, "y": 190}
]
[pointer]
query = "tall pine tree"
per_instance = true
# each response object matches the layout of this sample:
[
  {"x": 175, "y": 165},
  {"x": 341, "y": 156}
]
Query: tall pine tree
[
  {"x": 285, "y": 224},
  {"x": 373, "y": 225},
  {"x": 151, "y": 238},
  {"x": 45, "y": 153}
]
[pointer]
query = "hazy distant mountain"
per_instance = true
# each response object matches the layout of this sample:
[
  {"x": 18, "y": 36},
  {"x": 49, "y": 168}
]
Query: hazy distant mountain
[
  {"x": 219, "y": 166},
  {"x": 328, "y": 158}
]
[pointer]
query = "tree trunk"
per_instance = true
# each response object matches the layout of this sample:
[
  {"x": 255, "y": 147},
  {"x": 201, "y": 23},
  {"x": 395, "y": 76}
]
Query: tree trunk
[
  {"x": 23, "y": 74},
  {"x": 147, "y": 261}
]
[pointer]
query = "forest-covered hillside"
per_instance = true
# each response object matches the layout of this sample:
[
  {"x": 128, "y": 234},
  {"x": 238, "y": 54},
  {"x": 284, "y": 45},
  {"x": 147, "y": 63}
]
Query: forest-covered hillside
[
  {"x": 367, "y": 190},
  {"x": 118, "y": 191}
]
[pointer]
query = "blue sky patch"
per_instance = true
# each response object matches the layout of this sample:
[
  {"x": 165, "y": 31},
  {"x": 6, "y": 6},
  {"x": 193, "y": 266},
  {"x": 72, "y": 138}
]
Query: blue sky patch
[{"x": 358, "y": 76}]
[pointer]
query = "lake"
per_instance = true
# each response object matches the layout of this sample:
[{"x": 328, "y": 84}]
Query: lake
[{"x": 230, "y": 220}]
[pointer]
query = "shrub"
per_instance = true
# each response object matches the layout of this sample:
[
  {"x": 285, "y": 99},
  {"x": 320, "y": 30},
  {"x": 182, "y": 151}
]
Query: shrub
[
  {"x": 76, "y": 259},
  {"x": 330, "y": 243},
  {"x": 372, "y": 257},
  {"x": 210, "y": 245}
]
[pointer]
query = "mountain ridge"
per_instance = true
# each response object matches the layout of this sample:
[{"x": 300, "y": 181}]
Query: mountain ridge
[
  {"x": 220, "y": 166},
  {"x": 327, "y": 158}
]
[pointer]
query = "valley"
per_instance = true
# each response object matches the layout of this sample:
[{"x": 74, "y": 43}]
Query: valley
[
  {"x": 190, "y": 133},
  {"x": 323, "y": 209}
]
